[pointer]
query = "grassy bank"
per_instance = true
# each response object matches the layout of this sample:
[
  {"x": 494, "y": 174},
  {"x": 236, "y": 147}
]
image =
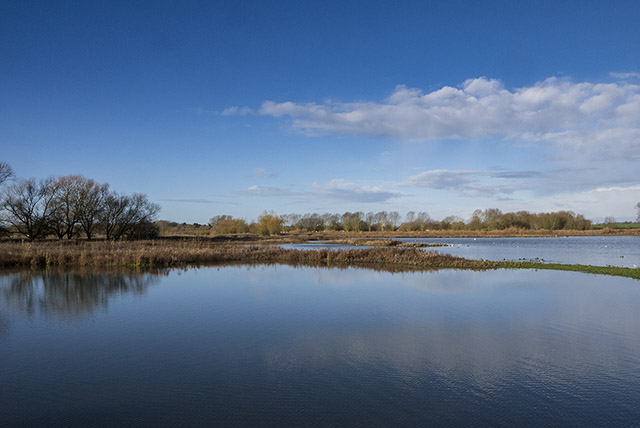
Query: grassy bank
[
  {"x": 617, "y": 226},
  {"x": 598, "y": 270},
  {"x": 74, "y": 254}
]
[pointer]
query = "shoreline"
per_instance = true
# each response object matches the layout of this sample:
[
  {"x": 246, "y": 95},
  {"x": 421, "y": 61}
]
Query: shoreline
[{"x": 198, "y": 253}]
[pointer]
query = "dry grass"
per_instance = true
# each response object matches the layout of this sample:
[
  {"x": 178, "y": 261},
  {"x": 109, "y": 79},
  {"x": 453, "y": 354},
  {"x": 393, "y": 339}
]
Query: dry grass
[
  {"x": 198, "y": 252},
  {"x": 193, "y": 252}
]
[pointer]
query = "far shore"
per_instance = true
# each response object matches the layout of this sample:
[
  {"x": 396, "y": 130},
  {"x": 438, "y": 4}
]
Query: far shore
[{"x": 431, "y": 234}]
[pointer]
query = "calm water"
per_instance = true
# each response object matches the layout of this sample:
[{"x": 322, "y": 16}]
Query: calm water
[
  {"x": 587, "y": 250},
  {"x": 280, "y": 346}
]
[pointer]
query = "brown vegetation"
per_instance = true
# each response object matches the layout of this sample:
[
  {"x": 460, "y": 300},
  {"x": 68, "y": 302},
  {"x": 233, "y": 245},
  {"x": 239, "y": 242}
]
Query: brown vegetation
[
  {"x": 169, "y": 253},
  {"x": 194, "y": 252}
]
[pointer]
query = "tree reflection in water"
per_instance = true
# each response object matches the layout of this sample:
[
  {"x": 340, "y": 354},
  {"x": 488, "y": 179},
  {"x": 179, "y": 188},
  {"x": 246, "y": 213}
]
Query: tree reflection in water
[{"x": 70, "y": 294}]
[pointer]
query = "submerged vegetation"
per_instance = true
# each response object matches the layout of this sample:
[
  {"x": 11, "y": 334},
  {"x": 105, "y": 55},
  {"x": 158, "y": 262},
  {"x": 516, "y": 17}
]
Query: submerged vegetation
[{"x": 175, "y": 253}]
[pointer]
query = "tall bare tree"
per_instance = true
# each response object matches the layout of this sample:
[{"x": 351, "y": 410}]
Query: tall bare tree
[
  {"x": 122, "y": 214},
  {"x": 65, "y": 219},
  {"x": 369, "y": 220},
  {"x": 351, "y": 221},
  {"x": 393, "y": 220},
  {"x": 91, "y": 198},
  {"x": 381, "y": 219},
  {"x": 29, "y": 204},
  {"x": 6, "y": 172}
]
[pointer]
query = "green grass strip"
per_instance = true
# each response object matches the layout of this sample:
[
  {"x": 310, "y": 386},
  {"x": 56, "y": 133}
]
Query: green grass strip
[{"x": 598, "y": 270}]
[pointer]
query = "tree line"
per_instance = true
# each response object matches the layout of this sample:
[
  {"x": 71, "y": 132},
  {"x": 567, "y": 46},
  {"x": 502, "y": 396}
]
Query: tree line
[
  {"x": 72, "y": 206},
  {"x": 384, "y": 221}
]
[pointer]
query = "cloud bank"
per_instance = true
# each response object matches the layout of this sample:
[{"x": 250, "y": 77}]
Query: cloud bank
[
  {"x": 472, "y": 183},
  {"x": 338, "y": 189},
  {"x": 603, "y": 117},
  {"x": 342, "y": 190}
]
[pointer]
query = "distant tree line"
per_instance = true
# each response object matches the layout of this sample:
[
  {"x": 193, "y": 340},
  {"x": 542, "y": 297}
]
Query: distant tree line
[
  {"x": 488, "y": 219},
  {"x": 267, "y": 224},
  {"x": 73, "y": 206}
]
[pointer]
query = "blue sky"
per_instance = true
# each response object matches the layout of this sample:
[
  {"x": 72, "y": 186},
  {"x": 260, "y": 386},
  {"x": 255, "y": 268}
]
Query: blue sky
[{"x": 239, "y": 107}]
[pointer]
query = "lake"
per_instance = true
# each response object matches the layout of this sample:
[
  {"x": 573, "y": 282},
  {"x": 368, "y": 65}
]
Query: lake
[
  {"x": 623, "y": 251},
  {"x": 285, "y": 346}
]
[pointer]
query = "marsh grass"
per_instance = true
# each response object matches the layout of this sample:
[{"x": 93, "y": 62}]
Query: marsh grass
[
  {"x": 194, "y": 252},
  {"x": 181, "y": 253}
]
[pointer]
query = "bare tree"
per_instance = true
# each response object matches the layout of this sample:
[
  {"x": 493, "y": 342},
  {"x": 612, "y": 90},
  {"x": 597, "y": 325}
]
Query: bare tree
[
  {"x": 393, "y": 219},
  {"x": 381, "y": 219},
  {"x": 423, "y": 219},
  {"x": 6, "y": 172},
  {"x": 369, "y": 220},
  {"x": 351, "y": 221},
  {"x": 311, "y": 222},
  {"x": 122, "y": 214},
  {"x": 91, "y": 199},
  {"x": 291, "y": 220},
  {"x": 411, "y": 217},
  {"x": 331, "y": 221},
  {"x": 28, "y": 204},
  {"x": 65, "y": 218},
  {"x": 113, "y": 215}
]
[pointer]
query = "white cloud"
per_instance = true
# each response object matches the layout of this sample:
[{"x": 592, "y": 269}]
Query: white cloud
[
  {"x": 236, "y": 111},
  {"x": 630, "y": 75},
  {"x": 342, "y": 190},
  {"x": 260, "y": 173},
  {"x": 194, "y": 201},
  {"x": 597, "y": 203},
  {"x": 201, "y": 111},
  {"x": 442, "y": 179},
  {"x": 335, "y": 190},
  {"x": 599, "y": 117},
  {"x": 266, "y": 191},
  {"x": 472, "y": 183}
]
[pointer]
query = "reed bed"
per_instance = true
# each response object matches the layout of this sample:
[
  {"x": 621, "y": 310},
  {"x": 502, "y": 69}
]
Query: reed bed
[
  {"x": 195, "y": 252},
  {"x": 178, "y": 253}
]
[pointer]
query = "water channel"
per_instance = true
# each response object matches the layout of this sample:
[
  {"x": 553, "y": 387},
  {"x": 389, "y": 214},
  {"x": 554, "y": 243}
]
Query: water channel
[{"x": 623, "y": 251}]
